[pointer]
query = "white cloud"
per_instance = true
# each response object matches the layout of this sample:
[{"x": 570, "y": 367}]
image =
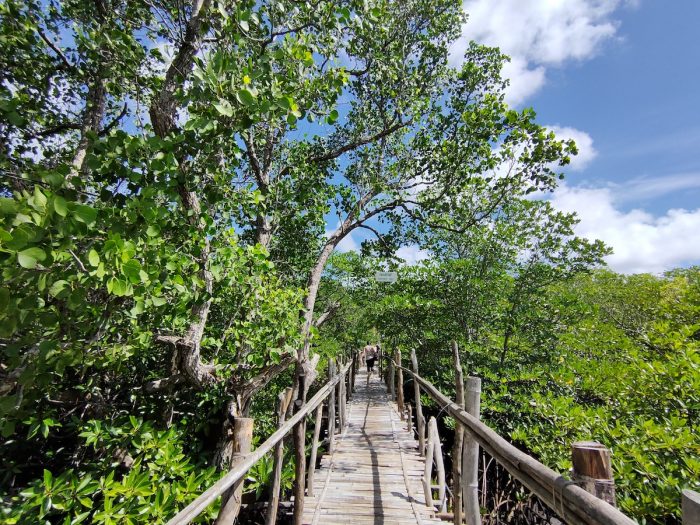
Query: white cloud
[
  {"x": 412, "y": 254},
  {"x": 348, "y": 243},
  {"x": 584, "y": 142},
  {"x": 653, "y": 187},
  {"x": 538, "y": 34},
  {"x": 641, "y": 241}
]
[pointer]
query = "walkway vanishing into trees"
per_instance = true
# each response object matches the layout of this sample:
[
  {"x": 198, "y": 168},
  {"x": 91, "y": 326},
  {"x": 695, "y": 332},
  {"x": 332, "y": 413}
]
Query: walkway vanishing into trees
[
  {"x": 375, "y": 472},
  {"x": 373, "y": 475}
]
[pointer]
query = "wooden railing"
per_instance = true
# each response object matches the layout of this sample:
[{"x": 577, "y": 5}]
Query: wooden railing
[
  {"x": 338, "y": 390},
  {"x": 563, "y": 496}
]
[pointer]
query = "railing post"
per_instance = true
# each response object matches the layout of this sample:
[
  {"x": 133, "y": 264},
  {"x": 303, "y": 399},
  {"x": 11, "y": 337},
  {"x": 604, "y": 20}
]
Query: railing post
[
  {"x": 690, "y": 507},
  {"x": 593, "y": 469},
  {"x": 457, "y": 480},
  {"x": 314, "y": 451},
  {"x": 428, "y": 468},
  {"x": 285, "y": 398},
  {"x": 242, "y": 440},
  {"x": 420, "y": 420},
  {"x": 299, "y": 454},
  {"x": 340, "y": 396},
  {"x": 399, "y": 385},
  {"x": 331, "y": 408},
  {"x": 351, "y": 376},
  {"x": 470, "y": 455},
  {"x": 390, "y": 376}
]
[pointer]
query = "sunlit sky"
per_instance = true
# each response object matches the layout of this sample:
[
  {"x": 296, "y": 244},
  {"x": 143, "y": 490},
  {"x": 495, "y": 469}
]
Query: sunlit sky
[{"x": 621, "y": 78}]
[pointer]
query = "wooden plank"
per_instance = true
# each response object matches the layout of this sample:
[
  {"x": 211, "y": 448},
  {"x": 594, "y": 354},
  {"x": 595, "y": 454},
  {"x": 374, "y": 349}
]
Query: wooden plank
[{"x": 375, "y": 469}]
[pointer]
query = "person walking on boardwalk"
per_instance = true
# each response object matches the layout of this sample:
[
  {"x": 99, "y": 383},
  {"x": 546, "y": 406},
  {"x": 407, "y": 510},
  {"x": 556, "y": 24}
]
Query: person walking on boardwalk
[{"x": 370, "y": 352}]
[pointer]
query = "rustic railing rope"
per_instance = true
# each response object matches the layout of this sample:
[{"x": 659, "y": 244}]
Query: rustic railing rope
[
  {"x": 237, "y": 473},
  {"x": 563, "y": 496}
]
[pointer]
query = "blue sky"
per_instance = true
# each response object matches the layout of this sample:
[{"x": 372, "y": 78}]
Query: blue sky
[{"x": 622, "y": 78}]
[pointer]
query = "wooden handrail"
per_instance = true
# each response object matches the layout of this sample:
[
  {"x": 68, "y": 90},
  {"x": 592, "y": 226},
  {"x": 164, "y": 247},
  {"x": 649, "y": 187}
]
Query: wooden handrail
[
  {"x": 565, "y": 498},
  {"x": 198, "y": 506}
]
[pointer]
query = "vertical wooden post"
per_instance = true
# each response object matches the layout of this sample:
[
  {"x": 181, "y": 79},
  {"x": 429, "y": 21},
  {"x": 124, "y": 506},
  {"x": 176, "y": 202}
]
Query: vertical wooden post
[
  {"x": 420, "y": 420},
  {"x": 341, "y": 401},
  {"x": 242, "y": 440},
  {"x": 593, "y": 469},
  {"x": 331, "y": 409},
  {"x": 299, "y": 454},
  {"x": 409, "y": 417},
  {"x": 399, "y": 381},
  {"x": 457, "y": 480},
  {"x": 314, "y": 451},
  {"x": 355, "y": 367},
  {"x": 351, "y": 376},
  {"x": 379, "y": 361},
  {"x": 428, "y": 470},
  {"x": 470, "y": 455},
  {"x": 390, "y": 383},
  {"x": 690, "y": 507},
  {"x": 285, "y": 398},
  {"x": 439, "y": 463}
]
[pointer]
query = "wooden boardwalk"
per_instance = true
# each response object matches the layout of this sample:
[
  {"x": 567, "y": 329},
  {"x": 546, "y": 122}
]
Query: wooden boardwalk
[{"x": 374, "y": 474}]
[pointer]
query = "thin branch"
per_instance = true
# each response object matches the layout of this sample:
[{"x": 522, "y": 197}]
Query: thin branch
[
  {"x": 114, "y": 122},
  {"x": 77, "y": 260},
  {"x": 360, "y": 142},
  {"x": 55, "y": 49}
]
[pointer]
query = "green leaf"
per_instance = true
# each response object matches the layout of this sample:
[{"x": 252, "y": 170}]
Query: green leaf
[
  {"x": 60, "y": 206},
  {"x": 153, "y": 230},
  {"x": 58, "y": 287},
  {"x": 93, "y": 258},
  {"x": 224, "y": 107},
  {"x": 159, "y": 301},
  {"x": 7, "y": 206},
  {"x": 84, "y": 213},
  {"x": 244, "y": 25},
  {"x": 118, "y": 287},
  {"x": 245, "y": 97},
  {"x": 39, "y": 199},
  {"x": 131, "y": 270},
  {"x": 332, "y": 117},
  {"x": 30, "y": 257},
  {"x": 48, "y": 478}
]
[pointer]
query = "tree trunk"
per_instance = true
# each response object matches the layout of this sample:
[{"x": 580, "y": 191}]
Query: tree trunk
[{"x": 231, "y": 499}]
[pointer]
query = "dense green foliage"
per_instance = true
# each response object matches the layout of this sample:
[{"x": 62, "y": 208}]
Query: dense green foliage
[
  {"x": 168, "y": 175},
  {"x": 596, "y": 356}
]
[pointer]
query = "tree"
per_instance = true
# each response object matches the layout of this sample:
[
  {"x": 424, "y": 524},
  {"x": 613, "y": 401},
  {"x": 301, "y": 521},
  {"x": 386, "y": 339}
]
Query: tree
[{"x": 167, "y": 174}]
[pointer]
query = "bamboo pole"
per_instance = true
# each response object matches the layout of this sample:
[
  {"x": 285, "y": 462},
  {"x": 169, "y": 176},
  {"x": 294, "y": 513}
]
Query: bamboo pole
[
  {"x": 242, "y": 441},
  {"x": 439, "y": 464},
  {"x": 420, "y": 420},
  {"x": 299, "y": 454},
  {"x": 390, "y": 383},
  {"x": 457, "y": 480},
  {"x": 331, "y": 409},
  {"x": 592, "y": 469},
  {"x": 690, "y": 507},
  {"x": 314, "y": 451},
  {"x": 399, "y": 381},
  {"x": 428, "y": 469},
  {"x": 285, "y": 398},
  {"x": 341, "y": 403},
  {"x": 470, "y": 455}
]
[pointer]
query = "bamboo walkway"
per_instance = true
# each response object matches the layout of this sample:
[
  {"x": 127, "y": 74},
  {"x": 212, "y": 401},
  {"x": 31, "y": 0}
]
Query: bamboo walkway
[{"x": 374, "y": 474}]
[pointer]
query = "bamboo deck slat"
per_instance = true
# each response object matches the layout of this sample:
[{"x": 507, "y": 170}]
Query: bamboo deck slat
[{"x": 374, "y": 474}]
